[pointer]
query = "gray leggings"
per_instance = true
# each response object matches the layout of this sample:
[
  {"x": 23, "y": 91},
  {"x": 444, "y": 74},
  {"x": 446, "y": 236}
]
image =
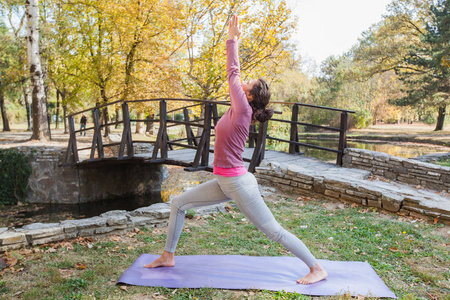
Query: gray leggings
[{"x": 244, "y": 191}]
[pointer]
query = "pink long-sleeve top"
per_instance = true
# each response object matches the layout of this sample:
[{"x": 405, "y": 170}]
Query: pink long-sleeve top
[{"x": 233, "y": 127}]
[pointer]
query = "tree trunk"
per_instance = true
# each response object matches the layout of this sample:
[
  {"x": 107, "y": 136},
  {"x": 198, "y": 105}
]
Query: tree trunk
[
  {"x": 441, "y": 118},
  {"x": 41, "y": 130},
  {"x": 58, "y": 104},
  {"x": 3, "y": 108},
  {"x": 27, "y": 95},
  {"x": 65, "y": 118},
  {"x": 105, "y": 113},
  {"x": 140, "y": 125},
  {"x": 117, "y": 117},
  {"x": 150, "y": 123}
]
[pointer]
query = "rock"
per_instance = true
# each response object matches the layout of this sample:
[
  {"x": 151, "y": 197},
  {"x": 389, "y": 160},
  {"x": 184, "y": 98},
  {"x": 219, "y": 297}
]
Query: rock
[
  {"x": 35, "y": 226},
  {"x": 3, "y": 264},
  {"x": 43, "y": 233},
  {"x": 115, "y": 220},
  {"x": 11, "y": 237},
  {"x": 140, "y": 221},
  {"x": 86, "y": 223},
  {"x": 158, "y": 211},
  {"x": 391, "y": 201},
  {"x": 209, "y": 210}
]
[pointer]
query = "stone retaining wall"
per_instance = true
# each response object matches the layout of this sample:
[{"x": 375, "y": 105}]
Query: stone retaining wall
[
  {"x": 399, "y": 169},
  {"x": 109, "y": 223},
  {"x": 343, "y": 187}
]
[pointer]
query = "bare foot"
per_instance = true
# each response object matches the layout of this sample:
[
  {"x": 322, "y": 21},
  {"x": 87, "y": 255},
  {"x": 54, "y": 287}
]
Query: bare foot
[
  {"x": 317, "y": 274},
  {"x": 166, "y": 260}
]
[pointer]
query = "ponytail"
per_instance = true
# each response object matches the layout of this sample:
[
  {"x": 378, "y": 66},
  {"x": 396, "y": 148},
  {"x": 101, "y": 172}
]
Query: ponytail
[{"x": 261, "y": 98}]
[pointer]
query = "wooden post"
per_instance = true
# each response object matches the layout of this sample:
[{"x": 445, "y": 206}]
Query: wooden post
[
  {"x": 203, "y": 145},
  {"x": 127, "y": 140},
  {"x": 251, "y": 136},
  {"x": 161, "y": 139},
  {"x": 72, "y": 151},
  {"x": 97, "y": 139},
  {"x": 189, "y": 133},
  {"x": 293, "y": 148},
  {"x": 207, "y": 132},
  {"x": 342, "y": 138},
  {"x": 258, "y": 153},
  {"x": 215, "y": 114}
]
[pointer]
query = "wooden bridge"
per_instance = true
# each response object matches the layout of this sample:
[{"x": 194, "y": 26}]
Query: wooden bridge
[{"x": 194, "y": 152}]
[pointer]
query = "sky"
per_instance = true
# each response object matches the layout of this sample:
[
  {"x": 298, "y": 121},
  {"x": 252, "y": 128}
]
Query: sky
[{"x": 332, "y": 27}]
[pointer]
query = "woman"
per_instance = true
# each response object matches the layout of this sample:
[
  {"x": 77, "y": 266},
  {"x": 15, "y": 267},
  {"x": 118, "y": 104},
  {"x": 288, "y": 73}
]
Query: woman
[{"x": 248, "y": 105}]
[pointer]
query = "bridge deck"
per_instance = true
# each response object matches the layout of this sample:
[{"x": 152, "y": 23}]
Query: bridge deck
[{"x": 184, "y": 158}]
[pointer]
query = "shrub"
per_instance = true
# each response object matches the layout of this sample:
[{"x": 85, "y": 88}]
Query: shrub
[
  {"x": 15, "y": 171},
  {"x": 429, "y": 118},
  {"x": 363, "y": 119}
]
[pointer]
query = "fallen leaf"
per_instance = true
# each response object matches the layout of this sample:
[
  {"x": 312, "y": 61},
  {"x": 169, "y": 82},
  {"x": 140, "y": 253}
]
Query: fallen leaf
[
  {"x": 436, "y": 220},
  {"x": 26, "y": 251},
  {"x": 267, "y": 246},
  {"x": 361, "y": 297},
  {"x": 12, "y": 261},
  {"x": 81, "y": 266},
  {"x": 393, "y": 249},
  {"x": 123, "y": 288},
  {"x": 136, "y": 230}
]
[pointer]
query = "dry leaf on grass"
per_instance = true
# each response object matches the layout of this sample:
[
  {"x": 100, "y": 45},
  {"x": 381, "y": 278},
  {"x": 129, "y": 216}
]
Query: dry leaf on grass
[{"x": 80, "y": 266}]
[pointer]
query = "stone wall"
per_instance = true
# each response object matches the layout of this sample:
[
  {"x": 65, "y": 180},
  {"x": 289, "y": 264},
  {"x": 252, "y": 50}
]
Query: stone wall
[
  {"x": 399, "y": 169},
  {"x": 344, "y": 186},
  {"x": 109, "y": 223},
  {"x": 52, "y": 183}
]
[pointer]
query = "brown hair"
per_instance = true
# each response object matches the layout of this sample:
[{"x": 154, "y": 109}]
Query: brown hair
[{"x": 261, "y": 97}]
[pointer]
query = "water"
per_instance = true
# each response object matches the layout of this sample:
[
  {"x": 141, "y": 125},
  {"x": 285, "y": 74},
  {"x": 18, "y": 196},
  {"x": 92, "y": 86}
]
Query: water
[
  {"x": 398, "y": 149},
  {"x": 53, "y": 213}
]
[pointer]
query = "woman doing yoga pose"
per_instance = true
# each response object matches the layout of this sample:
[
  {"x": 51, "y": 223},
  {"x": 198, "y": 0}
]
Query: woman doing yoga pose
[{"x": 248, "y": 105}]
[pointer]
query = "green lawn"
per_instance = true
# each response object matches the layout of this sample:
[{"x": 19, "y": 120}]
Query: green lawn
[
  {"x": 444, "y": 162},
  {"x": 410, "y": 255}
]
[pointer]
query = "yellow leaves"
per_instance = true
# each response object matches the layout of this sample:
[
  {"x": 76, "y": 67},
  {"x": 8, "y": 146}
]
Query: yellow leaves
[
  {"x": 446, "y": 61},
  {"x": 80, "y": 266}
]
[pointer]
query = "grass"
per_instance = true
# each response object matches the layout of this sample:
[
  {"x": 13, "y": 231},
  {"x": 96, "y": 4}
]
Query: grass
[
  {"x": 410, "y": 255},
  {"x": 444, "y": 162}
]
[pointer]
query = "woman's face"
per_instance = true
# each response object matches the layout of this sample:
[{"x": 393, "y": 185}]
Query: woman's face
[{"x": 247, "y": 87}]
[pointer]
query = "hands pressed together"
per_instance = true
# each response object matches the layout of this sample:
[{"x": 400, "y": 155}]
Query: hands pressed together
[{"x": 234, "y": 29}]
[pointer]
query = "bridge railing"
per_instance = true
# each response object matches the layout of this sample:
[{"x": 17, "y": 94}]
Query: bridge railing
[
  {"x": 202, "y": 142},
  {"x": 294, "y": 144}
]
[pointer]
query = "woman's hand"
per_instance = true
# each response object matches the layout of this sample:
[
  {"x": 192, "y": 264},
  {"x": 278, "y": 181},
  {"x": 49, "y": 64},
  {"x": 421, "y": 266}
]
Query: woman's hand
[{"x": 234, "y": 30}]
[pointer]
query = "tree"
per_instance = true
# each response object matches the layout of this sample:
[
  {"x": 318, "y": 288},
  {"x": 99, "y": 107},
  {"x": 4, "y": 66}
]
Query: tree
[
  {"x": 412, "y": 41},
  {"x": 13, "y": 57},
  {"x": 428, "y": 77},
  {"x": 5, "y": 56},
  {"x": 268, "y": 26},
  {"x": 41, "y": 130}
]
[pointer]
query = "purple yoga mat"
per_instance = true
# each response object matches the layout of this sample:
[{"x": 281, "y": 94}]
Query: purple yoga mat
[{"x": 257, "y": 272}]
